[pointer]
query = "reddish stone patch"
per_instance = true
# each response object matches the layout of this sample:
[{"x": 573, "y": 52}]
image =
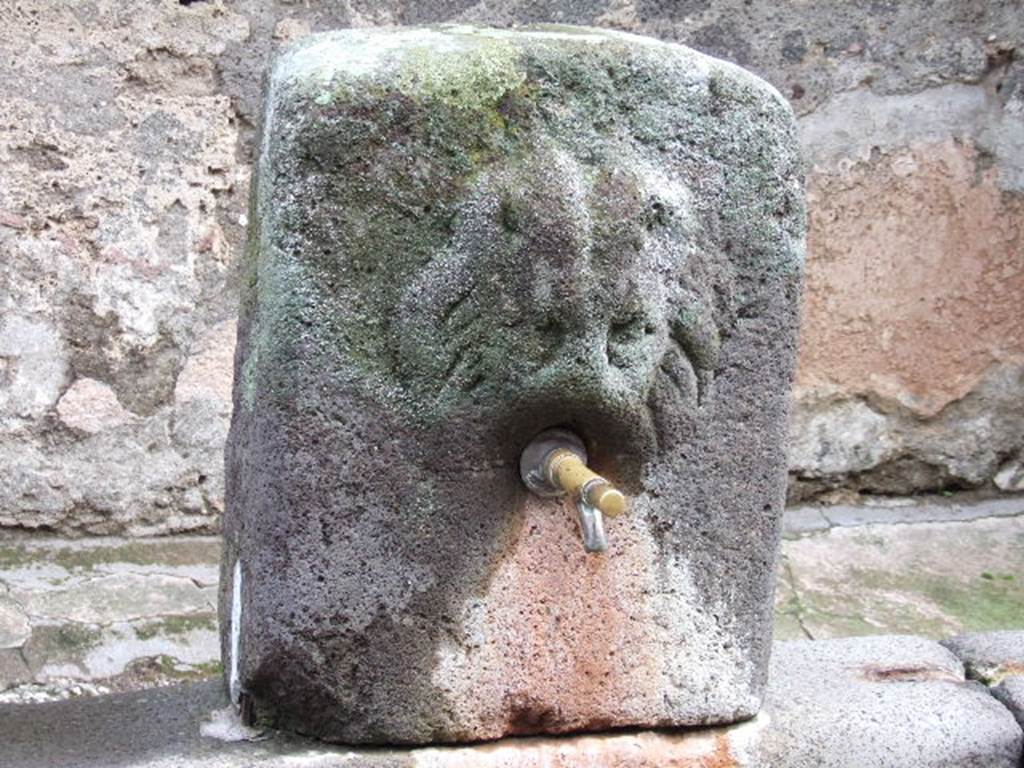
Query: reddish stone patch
[
  {"x": 908, "y": 674},
  {"x": 1010, "y": 668},
  {"x": 700, "y": 748},
  {"x": 12, "y": 220},
  {"x": 914, "y": 277},
  {"x": 567, "y": 641}
]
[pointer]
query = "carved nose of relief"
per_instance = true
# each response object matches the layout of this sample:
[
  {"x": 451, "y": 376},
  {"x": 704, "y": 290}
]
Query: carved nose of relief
[{"x": 555, "y": 464}]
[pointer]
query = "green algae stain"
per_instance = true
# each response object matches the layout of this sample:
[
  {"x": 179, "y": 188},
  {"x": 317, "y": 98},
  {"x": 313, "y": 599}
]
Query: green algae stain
[
  {"x": 78, "y": 557},
  {"x": 16, "y": 557},
  {"x": 172, "y": 668},
  {"x": 980, "y": 605},
  {"x": 929, "y": 604},
  {"x": 68, "y": 639},
  {"x": 175, "y": 626},
  {"x": 472, "y": 80}
]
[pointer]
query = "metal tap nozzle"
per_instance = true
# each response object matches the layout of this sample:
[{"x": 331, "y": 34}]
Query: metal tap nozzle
[
  {"x": 555, "y": 464},
  {"x": 565, "y": 469}
]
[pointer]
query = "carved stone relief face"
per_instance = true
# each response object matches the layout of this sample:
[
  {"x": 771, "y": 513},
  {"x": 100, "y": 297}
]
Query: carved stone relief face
[{"x": 574, "y": 286}]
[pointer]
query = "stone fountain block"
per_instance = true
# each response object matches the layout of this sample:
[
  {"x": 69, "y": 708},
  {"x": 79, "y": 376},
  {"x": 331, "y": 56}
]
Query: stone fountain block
[{"x": 460, "y": 237}]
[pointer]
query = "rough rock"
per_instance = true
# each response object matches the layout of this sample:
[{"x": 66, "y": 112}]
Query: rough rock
[
  {"x": 1011, "y": 693},
  {"x": 206, "y": 375},
  {"x": 912, "y": 369},
  {"x": 462, "y": 237},
  {"x": 14, "y": 625},
  {"x": 1010, "y": 476},
  {"x": 898, "y": 701},
  {"x": 989, "y": 656},
  {"x": 117, "y": 205},
  {"x": 91, "y": 406},
  {"x": 35, "y": 367}
]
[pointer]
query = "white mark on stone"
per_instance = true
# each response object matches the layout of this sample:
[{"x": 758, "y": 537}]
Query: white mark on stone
[
  {"x": 236, "y": 632},
  {"x": 34, "y": 365},
  {"x": 226, "y": 725},
  {"x": 745, "y": 738},
  {"x": 15, "y": 628}
]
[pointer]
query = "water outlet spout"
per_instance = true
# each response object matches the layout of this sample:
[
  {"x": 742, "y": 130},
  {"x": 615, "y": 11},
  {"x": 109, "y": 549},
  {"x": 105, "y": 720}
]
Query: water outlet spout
[{"x": 555, "y": 464}]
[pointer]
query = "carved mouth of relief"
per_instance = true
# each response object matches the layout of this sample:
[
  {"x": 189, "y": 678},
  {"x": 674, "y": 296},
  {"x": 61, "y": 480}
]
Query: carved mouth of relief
[{"x": 554, "y": 464}]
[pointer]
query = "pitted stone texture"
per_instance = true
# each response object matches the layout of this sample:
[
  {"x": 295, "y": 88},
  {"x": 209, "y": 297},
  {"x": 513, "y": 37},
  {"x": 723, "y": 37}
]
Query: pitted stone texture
[
  {"x": 462, "y": 237},
  {"x": 885, "y": 702},
  {"x": 990, "y": 656},
  {"x": 1011, "y": 693}
]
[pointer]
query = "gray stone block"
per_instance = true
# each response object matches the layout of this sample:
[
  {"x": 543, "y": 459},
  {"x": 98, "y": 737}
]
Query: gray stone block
[
  {"x": 897, "y": 701},
  {"x": 800, "y": 520},
  {"x": 989, "y": 656},
  {"x": 461, "y": 237},
  {"x": 1011, "y": 693}
]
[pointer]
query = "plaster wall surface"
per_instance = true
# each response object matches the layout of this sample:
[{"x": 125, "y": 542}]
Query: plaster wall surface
[{"x": 126, "y": 134}]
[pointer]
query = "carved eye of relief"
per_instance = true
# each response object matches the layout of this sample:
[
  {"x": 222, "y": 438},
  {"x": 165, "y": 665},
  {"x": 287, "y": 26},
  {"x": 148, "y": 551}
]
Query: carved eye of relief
[{"x": 627, "y": 336}]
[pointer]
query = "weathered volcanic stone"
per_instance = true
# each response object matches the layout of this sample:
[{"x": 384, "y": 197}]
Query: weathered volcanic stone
[
  {"x": 989, "y": 656},
  {"x": 894, "y": 701},
  {"x": 461, "y": 237},
  {"x": 1011, "y": 693}
]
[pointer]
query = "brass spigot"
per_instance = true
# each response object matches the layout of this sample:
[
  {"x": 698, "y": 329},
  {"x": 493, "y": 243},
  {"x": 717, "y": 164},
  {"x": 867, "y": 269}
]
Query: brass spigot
[
  {"x": 566, "y": 470},
  {"x": 555, "y": 464}
]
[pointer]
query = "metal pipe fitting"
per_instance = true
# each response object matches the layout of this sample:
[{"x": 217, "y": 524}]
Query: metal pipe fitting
[{"x": 555, "y": 464}]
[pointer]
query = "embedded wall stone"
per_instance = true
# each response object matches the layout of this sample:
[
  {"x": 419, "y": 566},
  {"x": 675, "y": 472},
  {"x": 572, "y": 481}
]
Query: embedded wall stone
[
  {"x": 119, "y": 204},
  {"x": 125, "y": 143}
]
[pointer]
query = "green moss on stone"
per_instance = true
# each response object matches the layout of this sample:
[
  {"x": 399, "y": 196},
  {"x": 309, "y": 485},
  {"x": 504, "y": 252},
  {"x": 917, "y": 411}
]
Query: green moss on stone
[
  {"x": 374, "y": 143},
  {"x": 175, "y": 626},
  {"x": 475, "y": 80},
  {"x": 72, "y": 638},
  {"x": 15, "y": 557},
  {"x": 87, "y": 556},
  {"x": 981, "y": 605},
  {"x": 935, "y": 605}
]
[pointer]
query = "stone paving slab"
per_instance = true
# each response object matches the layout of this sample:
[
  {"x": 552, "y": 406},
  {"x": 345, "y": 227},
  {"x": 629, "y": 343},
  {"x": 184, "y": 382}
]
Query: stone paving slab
[
  {"x": 850, "y": 703},
  {"x": 101, "y": 614},
  {"x": 932, "y": 578},
  {"x": 892, "y": 510}
]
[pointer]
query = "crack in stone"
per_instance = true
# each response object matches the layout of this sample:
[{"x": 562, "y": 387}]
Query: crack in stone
[{"x": 790, "y": 579}]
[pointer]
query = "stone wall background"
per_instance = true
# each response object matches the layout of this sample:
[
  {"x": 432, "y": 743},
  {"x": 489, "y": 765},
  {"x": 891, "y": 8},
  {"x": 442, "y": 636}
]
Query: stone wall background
[{"x": 126, "y": 131}]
